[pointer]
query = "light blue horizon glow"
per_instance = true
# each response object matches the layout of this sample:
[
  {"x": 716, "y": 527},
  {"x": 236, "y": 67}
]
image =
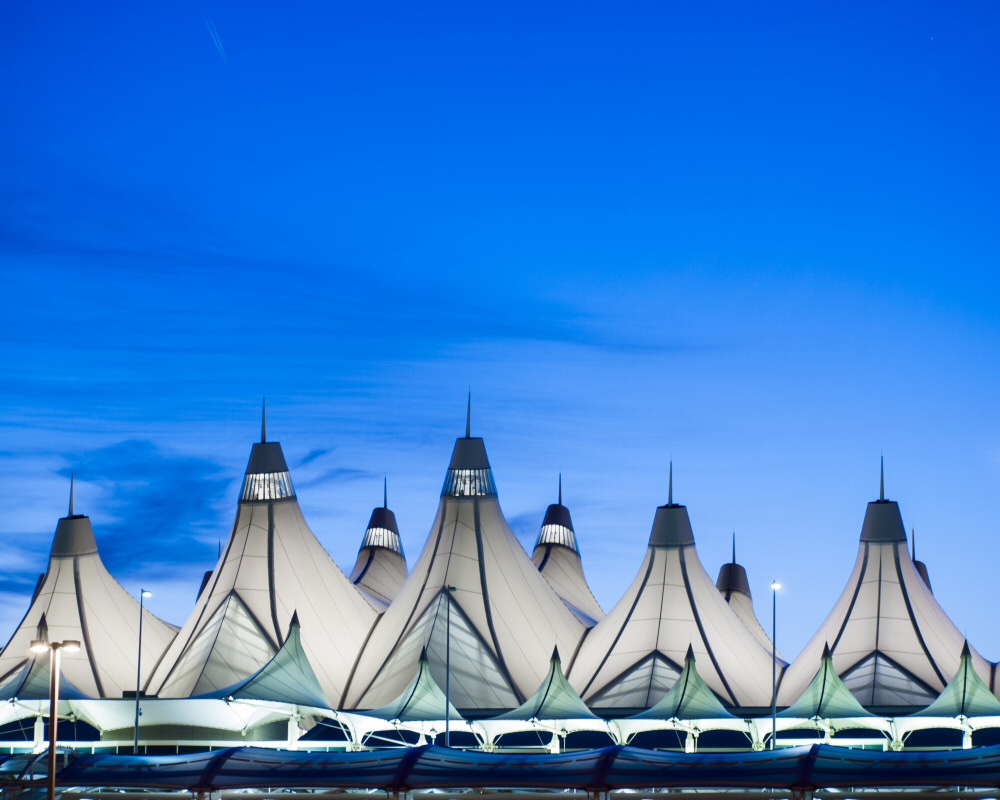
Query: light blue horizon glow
[{"x": 759, "y": 242}]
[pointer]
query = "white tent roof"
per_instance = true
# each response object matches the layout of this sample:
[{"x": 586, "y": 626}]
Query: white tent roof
[
  {"x": 272, "y": 567},
  {"x": 892, "y": 643},
  {"x": 735, "y": 588},
  {"x": 380, "y": 570},
  {"x": 79, "y": 599},
  {"x": 505, "y": 619},
  {"x": 557, "y": 556},
  {"x": 634, "y": 656}
]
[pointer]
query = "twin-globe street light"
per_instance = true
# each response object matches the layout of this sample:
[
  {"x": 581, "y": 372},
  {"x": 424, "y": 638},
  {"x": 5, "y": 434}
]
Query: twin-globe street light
[{"x": 43, "y": 645}]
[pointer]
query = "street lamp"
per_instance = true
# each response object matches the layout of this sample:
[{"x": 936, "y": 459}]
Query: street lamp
[
  {"x": 143, "y": 594},
  {"x": 42, "y": 645},
  {"x": 447, "y": 671},
  {"x": 774, "y": 662}
]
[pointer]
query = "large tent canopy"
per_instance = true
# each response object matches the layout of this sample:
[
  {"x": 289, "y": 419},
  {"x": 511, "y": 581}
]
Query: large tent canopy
[
  {"x": 892, "y": 643},
  {"x": 632, "y": 658},
  {"x": 78, "y": 599},
  {"x": 272, "y": 567},
  {"x": 473, "y": 596}
]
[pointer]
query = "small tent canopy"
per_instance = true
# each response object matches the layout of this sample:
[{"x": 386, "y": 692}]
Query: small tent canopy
[
  {"x": 421, "y": 701},
  {"x": 272, "y": 565},
  {"x": 893, "y": 645},
  {"x": 557, "y": 556},
  {"x": 826, "y": 697},
  {"x": 689, "y": 704},
  {"x": 688, "y": 699},
  {"x": 78, "y": 599},
  {"x": 966, "y": 694},
  {"x": 380, "y": 570},
  {"x": 632, "y": 657},
  {"x": 31, "y": 682},
  {"x": 474, "y": 592},
  {"x": 555, "y": 706},
  {"x": 286, "y": 678},
  {"x": 735, "y": 588}
]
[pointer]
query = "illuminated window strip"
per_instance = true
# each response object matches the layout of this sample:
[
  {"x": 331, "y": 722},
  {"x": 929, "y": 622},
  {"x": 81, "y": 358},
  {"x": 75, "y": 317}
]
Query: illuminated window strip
[
  {"x": 557, "y": 534},
  {"x": 382, "y": 537},
  {"x": 469, "y": 483},
  {"x": 267, "y": 486}
]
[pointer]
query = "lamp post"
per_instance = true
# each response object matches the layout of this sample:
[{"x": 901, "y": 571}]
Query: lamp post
[
  {"x": 143, "y": 594},
  {"x": 447, "y": 671},
  {"x": 775, "y": 585},
  {"x": 42, "y": 645}
]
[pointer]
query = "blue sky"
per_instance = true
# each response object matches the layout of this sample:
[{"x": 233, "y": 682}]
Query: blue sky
[{"x": 758, "y": 239}]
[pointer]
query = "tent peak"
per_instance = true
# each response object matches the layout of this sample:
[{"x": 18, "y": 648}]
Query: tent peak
[
  {"x": 670, "y": 484},
  {"x": 881, "y": 479},
  {"x": 263, "y": 421},
  {"x": 555, "y": 654},
  {"x": 385, "y": 491},
  {"x": 72, "y": 481},
  {"x": 468, "y": 416}
]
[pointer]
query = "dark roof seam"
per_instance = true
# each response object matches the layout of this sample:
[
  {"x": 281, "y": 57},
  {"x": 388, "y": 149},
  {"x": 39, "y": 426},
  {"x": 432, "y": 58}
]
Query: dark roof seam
[
  {"x": 621, "y": 630},
  {"x": 913, "y": 620},
  {"x": 83, "y": 625},
  {"x": 701, "y": 629}
]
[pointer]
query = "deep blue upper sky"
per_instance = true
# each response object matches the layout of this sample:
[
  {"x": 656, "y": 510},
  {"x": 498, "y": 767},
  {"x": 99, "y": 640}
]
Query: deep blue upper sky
[{"x": 759, "y": 239}]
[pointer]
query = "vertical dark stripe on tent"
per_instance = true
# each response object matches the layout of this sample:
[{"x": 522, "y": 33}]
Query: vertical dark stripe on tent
[
  {"x": 545, "y": 558},
  {"x": 621, "y": 630},
  {"x": 486, "y": 602},
  {"x": 368, "y": 563},
  {"x": 854, "y": 599},
  {"x": 271, "y": 588},
  {"x": 83, "y": 626},
  {"x": 701, "y": 628},
  {"x": 913, "y": 620}
]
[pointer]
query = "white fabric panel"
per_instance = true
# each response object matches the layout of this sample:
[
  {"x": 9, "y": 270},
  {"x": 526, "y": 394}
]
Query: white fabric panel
[
  {"x": 642, "y": 686},
  {"x": 294, "y": 574},
  {"x": 877, "y": 682},
  {"x": 563, "y": 570},
  {"x": 656, "y": 616},
  {"x": 110, "y": 641},
  {"x": 528, "y": 618},
  {"x": 379, "y": 573},
  {"x": 879, "y": 621},
  {"x": 742, "y": 606}
]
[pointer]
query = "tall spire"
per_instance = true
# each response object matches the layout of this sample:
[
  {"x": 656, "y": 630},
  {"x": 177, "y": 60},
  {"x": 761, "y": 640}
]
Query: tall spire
[
  {"x": 670, "y": 490},
  {"x": 881, "y": 480},
  {"x": 468, "y": 417},
  {"x": 734, "y": 546},
  {"x": 263, "y": 421},
  {"x": 71, "y": 481},
  {"x": 385, "y": 491},
  {"x": 560, "y": 488}
]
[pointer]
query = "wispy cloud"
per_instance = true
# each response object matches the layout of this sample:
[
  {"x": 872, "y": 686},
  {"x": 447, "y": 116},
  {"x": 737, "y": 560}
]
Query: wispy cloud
[
  {"x": 164, "y": 511},
  {"x": 215, "y": 36}
]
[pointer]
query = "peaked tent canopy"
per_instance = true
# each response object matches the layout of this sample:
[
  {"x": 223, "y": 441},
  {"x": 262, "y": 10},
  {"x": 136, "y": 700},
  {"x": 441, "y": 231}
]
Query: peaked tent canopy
[
  {"x": 826, "y": 697},
  {"x": 272, "y": 565},
  {"x": 286, "y": 678},
  {"x": 892, "y": 644},
  {"x": 966, "y": 695},
  {"x": 555, "y": 699},
  {"x": 688, "y": 699},
  {"x": 31, "y": 682},
  {"x": 473, "y": 575},
  {"x": 79, "y": 599},
  {"x": 421, "y": 701},
  {"x": 632, "y": 658},
  {"x": 735, "y": 588},
  {"x": 380, "y": 570},
  {"x": 557, "y": 556}
]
